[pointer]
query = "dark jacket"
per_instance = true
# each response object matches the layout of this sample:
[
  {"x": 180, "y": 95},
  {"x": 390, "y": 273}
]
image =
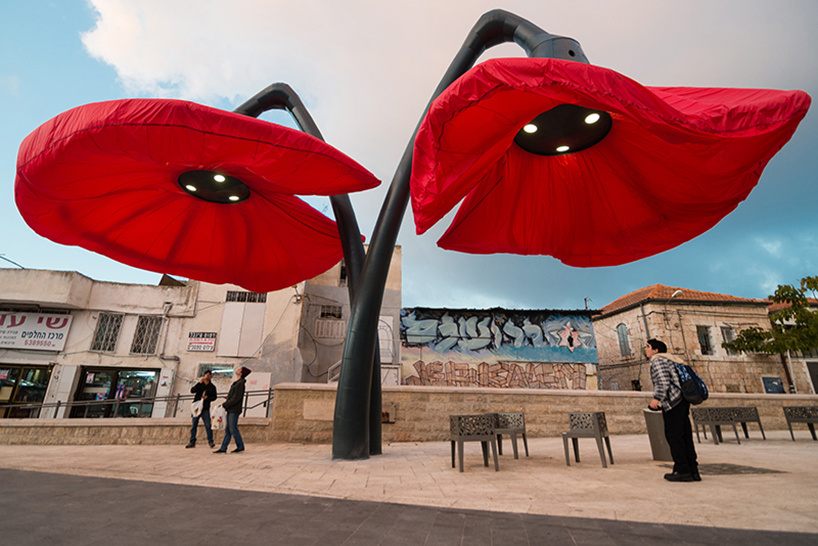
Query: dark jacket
[
  {"x": 235, "y": 397},
  {"x": 201, "y": 388}
]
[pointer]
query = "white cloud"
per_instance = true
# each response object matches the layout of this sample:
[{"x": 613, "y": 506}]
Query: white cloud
[
  {"x": 366, "y": 69},
  {"x": 772, "y": 247},
  {"x": 10, "y": 84}
]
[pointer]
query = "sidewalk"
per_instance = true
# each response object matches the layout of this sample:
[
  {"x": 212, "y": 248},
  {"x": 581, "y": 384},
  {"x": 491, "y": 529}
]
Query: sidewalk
[{"x": 758, "y": 485}]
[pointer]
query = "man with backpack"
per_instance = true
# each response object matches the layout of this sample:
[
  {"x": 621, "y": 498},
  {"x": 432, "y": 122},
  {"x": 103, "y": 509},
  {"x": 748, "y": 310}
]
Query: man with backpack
[{"x": 667, "y": 395}]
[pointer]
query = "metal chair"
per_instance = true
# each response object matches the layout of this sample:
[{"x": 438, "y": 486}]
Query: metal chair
[
  {"x": 511, "y": 423},
  {"x": 587, "y": 424},
  {"x": 715, "y": 418},
  {"x": 473, "y": 428}
]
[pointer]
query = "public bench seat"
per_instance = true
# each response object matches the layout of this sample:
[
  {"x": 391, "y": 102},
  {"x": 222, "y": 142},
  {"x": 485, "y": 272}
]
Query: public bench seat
[{"x": 801, "y": 414}]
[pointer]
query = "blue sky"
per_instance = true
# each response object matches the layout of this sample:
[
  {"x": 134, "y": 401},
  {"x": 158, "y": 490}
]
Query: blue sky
[{"x": 365, "y": 71}]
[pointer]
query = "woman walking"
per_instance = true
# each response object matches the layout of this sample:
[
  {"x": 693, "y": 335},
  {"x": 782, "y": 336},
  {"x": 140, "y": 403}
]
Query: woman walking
[{"x": 233, "y": 405}]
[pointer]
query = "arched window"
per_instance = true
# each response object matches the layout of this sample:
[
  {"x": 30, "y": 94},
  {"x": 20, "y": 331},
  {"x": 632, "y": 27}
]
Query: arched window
[{"x": 624, "y": 348}]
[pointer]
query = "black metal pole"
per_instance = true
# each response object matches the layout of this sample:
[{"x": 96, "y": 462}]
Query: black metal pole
[
  {"x": 282, "y": 97},
  {"x": 350, "y": 437}
]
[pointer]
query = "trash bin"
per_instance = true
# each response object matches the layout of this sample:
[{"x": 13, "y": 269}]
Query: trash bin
[{"x": 656, "y": 433}]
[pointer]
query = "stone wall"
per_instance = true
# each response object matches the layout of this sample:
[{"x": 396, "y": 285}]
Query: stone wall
[
  {"x": 127, "y": 431},
  {"x": 303, "y": 413}
]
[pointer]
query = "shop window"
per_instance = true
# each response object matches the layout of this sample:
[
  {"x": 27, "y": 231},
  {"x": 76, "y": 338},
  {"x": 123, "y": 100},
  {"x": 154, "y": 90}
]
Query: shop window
[
  {"x": 624, "y": 346},
  {"x": 728, "y": 335},
  {"x": 246, "y": 297},
  {"x": 146, "y": 336},
  {"x": 22, "y": 385},
  {"x": 703, "y": 333},
  {"x": 219, "y": 371},
  {"x": 123, "y": 391},
  {"x": 107, "y": 333}
]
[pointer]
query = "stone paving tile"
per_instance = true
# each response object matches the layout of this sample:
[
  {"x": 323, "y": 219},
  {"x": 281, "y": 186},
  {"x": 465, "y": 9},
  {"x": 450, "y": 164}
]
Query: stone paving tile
[{"x": 541, "y": 484}]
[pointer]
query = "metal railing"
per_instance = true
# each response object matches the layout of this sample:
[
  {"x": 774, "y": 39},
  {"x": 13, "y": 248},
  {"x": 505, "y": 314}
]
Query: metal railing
[{"x": 128, "y": 407}]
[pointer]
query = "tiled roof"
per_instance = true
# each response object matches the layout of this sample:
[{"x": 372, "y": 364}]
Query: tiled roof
[
  {"x": 773, "y": 307},
  {"x": 661, "y": 292}
]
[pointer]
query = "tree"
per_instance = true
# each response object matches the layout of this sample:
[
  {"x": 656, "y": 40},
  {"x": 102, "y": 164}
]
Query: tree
[{"x": 794, "y": 328}]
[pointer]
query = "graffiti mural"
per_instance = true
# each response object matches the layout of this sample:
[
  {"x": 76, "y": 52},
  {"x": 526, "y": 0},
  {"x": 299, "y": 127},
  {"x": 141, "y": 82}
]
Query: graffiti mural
[{"x": 496, "y": 347}]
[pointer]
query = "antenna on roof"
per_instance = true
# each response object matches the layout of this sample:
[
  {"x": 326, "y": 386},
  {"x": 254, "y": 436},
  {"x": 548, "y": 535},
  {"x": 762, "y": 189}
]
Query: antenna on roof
[{"x": 2, "y": 257}]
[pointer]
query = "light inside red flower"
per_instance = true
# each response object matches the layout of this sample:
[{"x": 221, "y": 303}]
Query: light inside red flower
[
  {"x": 581, "y": 163},
  {"x": 176, "y": 187}
]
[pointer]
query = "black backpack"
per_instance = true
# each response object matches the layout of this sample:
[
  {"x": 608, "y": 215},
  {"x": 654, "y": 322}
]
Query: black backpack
[{"x": 693, "y": 388}]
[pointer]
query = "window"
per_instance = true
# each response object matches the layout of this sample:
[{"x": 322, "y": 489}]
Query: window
[
  {"x": 728, "y": 335},
  {"x": 219, "y": 371},
  {"x": 248, "y": 297},
  {"x": 624, "y": 347},
  {"x": 331, "y": 311},
  {"x": 703, "y": 333},
  {"x": 343, "y": 279},
  {"x": 146, "y": 336},
  {"x": 107, "y": 333}
]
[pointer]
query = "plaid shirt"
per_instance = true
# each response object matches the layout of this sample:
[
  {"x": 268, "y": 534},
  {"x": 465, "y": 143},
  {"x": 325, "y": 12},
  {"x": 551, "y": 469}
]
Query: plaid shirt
[{"x": 666, "y": 387}]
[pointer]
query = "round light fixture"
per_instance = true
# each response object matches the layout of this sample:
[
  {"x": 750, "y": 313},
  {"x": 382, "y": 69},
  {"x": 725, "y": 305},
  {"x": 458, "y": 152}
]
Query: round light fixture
[
  {"x": 590, "y": 119},
  {"x": 566, "y": 128},
  {"x": 530, "y": 128},
  {"x": 214, "y": 187}
]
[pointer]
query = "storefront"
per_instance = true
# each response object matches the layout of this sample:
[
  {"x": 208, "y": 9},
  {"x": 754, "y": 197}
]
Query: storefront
[
  {"x": 121, "y": 389},
  {"x": 22, "y": 384}
]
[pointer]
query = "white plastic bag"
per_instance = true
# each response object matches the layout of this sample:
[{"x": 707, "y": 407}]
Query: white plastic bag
[
  {"x": 196, "y": 408},
  {"x": 217, "y": 417}
]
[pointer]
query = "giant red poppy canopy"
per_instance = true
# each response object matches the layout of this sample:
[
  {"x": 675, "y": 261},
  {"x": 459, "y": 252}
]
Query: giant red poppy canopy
[
  {"x": 675, "y": 161},
  {"x": 105, "y": 177}
]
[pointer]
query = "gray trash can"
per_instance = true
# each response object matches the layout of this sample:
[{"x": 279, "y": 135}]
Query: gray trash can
[{"x": 656, "y": 433}]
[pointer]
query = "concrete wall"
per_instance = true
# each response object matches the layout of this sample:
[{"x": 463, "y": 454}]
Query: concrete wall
[{"x": 498, "y": 348}]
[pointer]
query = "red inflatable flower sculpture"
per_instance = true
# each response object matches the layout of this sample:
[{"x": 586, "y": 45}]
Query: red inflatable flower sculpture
[
  {"x": 176, "y": 187},
  {"x": 581, "y": 163}
]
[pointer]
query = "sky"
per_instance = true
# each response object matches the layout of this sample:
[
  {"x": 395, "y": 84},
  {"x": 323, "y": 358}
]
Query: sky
[{"x": 366, "y": 70}]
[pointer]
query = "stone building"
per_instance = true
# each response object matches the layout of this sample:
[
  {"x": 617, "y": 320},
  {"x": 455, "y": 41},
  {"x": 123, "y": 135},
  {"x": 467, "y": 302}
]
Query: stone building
[
  {"x": 693, "y": 324},
  {"x": 498, "y": 348}
]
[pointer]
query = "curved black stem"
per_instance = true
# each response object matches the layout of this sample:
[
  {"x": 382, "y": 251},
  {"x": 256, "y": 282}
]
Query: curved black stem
[
  {"x": 280, "y": 96},
  {"x": 350, "y": 426}
]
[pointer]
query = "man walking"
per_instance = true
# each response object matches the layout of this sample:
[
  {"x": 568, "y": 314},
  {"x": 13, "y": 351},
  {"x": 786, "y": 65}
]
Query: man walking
[
  {"x": 667, "y": 395},
  {"x": 204, "y": 390},
  {"x": 233, "y": 406}
]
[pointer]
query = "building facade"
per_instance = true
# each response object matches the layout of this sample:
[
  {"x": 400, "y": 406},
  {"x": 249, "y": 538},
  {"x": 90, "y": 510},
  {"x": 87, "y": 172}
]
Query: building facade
[
  {"x": 67, "y": 338},
  {"x": 499, "y": 348},
  {"x": 694, "y": 325},
  {"x": 324, "y": 320}
]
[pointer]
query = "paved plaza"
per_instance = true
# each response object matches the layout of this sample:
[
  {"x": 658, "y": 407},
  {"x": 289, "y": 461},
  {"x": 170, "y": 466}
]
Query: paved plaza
[{"x": 759, "y": 492}]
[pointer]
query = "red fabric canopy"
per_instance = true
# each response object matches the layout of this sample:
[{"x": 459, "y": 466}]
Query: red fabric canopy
[
  {"x": 104, "y": 177},
  {"x": 675, "y": 162}
]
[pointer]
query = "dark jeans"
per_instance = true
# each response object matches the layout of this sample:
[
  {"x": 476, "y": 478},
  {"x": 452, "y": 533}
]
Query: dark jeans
[
  {"x": 205, "y": 416},
  {"x": 679, "y": 435},
  {"x": 231, "y": 429}
]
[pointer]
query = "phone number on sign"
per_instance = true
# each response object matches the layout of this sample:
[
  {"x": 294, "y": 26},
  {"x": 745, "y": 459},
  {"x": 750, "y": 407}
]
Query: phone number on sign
[{"x": 39, "y": 342}]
